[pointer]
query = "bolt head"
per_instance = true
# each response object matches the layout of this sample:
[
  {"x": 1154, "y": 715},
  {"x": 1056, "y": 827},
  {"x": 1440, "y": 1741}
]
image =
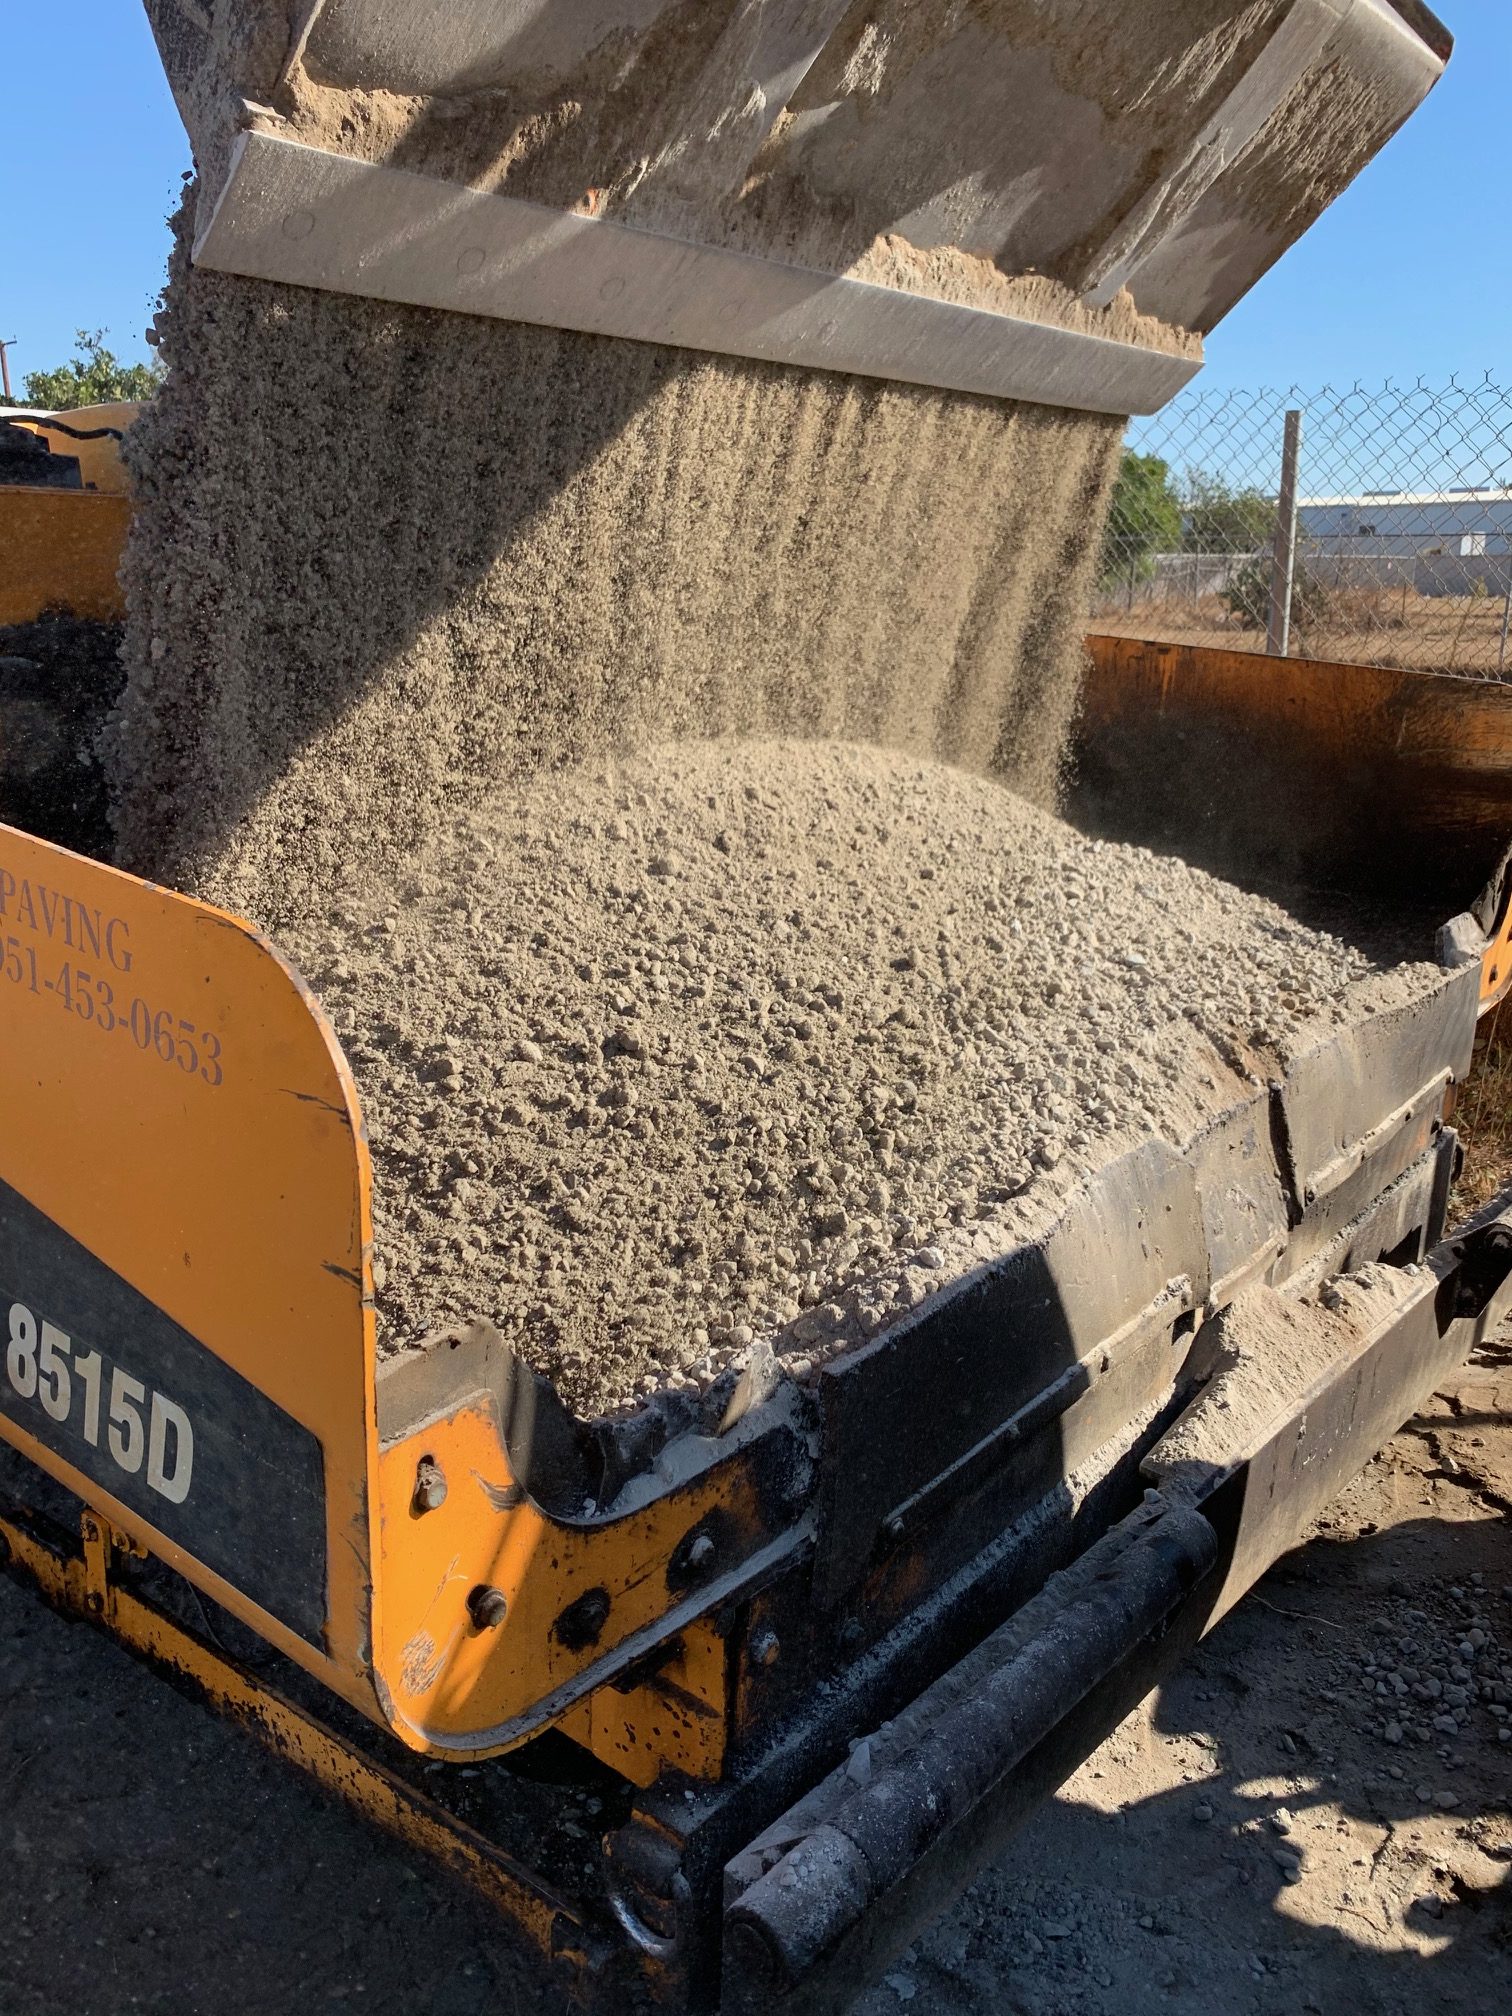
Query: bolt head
[
  {"x": 701, "y": 1553},
  {"x": 756, "y": 1961},
  {"x": 430, "y": 1485},
  {"x": 487, "y": 1607},
  {"x": 765, "y": 1646}
]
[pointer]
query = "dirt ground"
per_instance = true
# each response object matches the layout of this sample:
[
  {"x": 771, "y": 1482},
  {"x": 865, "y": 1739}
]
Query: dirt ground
[
  {"x": 1429, "y": 633},
  {"x": 1252, "y": 1839}
]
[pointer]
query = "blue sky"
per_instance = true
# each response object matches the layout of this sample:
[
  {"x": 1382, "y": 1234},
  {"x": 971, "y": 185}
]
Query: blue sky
[
  {"x": 1409, "y": 274},
  {"x": 91, "y": 152}
]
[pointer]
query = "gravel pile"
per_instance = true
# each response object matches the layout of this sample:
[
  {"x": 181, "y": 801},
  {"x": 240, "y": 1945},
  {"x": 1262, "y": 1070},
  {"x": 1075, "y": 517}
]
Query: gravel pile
[
  {"x": 732, "y": 1041},
  {"x": 669, "y": 1044}
]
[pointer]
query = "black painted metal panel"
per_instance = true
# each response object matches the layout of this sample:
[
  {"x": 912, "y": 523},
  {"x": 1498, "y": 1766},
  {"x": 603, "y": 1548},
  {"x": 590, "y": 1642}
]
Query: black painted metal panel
[{"x": 99, "y": 1376}]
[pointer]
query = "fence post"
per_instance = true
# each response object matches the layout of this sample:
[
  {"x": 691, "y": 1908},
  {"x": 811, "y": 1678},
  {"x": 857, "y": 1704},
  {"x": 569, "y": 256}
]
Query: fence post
[{"x": 1284, "y": 553}]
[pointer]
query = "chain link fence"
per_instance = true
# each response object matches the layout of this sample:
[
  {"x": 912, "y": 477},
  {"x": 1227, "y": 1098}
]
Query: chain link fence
[{"x": 1399, "y": 546}]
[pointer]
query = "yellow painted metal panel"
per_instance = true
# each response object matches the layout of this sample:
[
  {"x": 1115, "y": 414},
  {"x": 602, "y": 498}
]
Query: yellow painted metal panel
[
  {"x": 175, "y": 1104},
  {"x": 679, "y": 1716},
  {"x": 452, "y": 1686},
  {"x": 99, "y": 460},
  {"x": 61, "y": 549}
]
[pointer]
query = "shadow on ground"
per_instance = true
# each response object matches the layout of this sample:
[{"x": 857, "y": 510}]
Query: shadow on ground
[{"x": 1273, "y": 1831}]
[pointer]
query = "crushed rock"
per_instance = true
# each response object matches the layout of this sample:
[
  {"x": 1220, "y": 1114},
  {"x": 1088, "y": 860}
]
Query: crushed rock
[
  {"x": 383, "y": 559},
  {"x": 1270, "y": 1347},
  {"x": 730, "y": 1041}
]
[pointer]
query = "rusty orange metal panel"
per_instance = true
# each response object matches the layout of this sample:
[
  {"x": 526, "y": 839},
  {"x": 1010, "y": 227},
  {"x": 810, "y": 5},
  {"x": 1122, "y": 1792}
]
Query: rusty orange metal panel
[
  {"x": 61, "y": 549},
  {"x": 1419, "y": 718},
  {"x": 1392, "y": 783}
]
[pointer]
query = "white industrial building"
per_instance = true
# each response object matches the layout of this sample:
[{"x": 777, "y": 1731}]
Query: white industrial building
[
  {"x": 1446, "y": 542},
  {"x": 1465, "y": 522}
]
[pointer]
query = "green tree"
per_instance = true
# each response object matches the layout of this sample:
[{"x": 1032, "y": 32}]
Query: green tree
[
  {"x": 95, "y": 377},
  {"x": 1219, "y": 518},
  {"x": 1144, "y": 518}
]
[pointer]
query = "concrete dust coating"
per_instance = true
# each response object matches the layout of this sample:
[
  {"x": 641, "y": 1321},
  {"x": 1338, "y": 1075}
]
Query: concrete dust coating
[
  {"x": 812, "y": 136},
  {"x": 732, "y": 1040},
  {"x": 385, "y": 559},
  {"x": 171, "y": 1866}
]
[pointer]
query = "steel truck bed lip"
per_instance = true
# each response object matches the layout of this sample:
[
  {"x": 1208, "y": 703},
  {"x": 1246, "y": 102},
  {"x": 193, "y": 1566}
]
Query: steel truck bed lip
[
  {"x": 394, "y": 235},
  {"x": 1161, "y": 200},
  {"x": 844, "y": 1880}
]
